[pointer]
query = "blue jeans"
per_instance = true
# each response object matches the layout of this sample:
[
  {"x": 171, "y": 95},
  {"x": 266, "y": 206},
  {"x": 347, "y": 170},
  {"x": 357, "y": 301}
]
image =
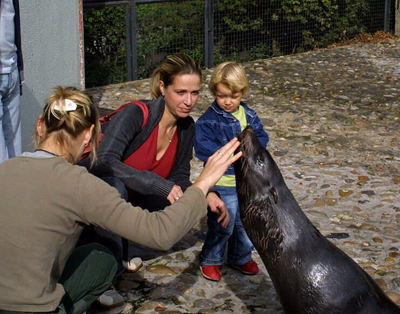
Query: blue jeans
[
  {"x": 239, "y": 244},
  {"x": 10, "y": 121}
]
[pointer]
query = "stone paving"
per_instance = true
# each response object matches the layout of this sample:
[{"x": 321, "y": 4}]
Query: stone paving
[{"x": 333, "y": 116}]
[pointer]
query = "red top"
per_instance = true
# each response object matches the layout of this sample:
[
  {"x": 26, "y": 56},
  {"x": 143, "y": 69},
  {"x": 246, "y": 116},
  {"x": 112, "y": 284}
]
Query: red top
[{"x": 144, "y": 158}]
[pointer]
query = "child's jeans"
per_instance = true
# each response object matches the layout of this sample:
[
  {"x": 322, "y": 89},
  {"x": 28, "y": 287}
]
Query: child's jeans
[{"x": 239, "y": 244}]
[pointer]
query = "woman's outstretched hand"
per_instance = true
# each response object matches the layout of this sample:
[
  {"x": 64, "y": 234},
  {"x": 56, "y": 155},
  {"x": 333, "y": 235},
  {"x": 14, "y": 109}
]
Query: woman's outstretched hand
[{"x": 216, "y": 166}]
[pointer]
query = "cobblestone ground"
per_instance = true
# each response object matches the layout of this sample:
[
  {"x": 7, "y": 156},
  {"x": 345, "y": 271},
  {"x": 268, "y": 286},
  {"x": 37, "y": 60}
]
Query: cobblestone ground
[{"x": 333, "y": 117}]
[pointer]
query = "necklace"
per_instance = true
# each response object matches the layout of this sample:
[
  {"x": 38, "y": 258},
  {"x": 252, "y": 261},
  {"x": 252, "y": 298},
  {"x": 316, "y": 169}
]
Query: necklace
[{"x": 166, "y": 134}]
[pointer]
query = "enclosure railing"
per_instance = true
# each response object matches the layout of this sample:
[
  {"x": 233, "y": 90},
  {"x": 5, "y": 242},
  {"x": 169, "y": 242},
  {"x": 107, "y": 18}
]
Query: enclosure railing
[{"x": 125, "y": 40}]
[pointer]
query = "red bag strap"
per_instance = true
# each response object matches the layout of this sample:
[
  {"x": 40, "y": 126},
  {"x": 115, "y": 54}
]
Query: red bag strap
[
  {"x": 145, "y": 111},
  {"x": 107, "y": 118},
  {"x": 141, "y": 104}
]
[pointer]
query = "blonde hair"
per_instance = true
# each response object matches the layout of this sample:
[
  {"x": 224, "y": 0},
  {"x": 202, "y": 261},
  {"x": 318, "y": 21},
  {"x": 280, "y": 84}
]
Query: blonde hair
[
  {"x": 173, "y": 66},
  {"x": 231, "y": 74},
  {"x": 69, "y": 124}
]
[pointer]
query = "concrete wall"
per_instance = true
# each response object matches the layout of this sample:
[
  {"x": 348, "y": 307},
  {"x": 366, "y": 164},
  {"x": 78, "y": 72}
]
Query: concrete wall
[{"x": 51, "y": 46}]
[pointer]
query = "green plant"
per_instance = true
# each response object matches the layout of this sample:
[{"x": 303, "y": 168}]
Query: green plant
[
  {"x": 167, "y": 28},
  {"x": 244, "y": 30},
  {"x": 105, "y": 45}
]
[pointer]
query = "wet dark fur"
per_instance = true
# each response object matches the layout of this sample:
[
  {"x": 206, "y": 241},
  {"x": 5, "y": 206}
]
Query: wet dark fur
[{"x": 310, "y": 274}]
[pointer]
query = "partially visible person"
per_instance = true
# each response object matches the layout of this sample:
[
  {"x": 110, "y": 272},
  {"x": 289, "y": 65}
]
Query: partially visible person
[
  {"x": 226, "y": 117},
  {"x": 11, "y": 78},
  {"x": 150, "y": 165},
  {"x": 46, "y": 201}
]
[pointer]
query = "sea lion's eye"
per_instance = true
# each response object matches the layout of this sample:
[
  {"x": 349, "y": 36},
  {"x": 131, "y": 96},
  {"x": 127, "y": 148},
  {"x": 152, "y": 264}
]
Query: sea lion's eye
[
  {"x": 260, "y": 163},
  {"x": 274, "y": 195}
]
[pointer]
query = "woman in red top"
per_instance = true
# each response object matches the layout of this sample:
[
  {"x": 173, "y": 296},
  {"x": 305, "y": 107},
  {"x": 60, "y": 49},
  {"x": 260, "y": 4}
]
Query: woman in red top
[
  {"x": 156, "y": 170},
  {"x": 150, "y": 165}
]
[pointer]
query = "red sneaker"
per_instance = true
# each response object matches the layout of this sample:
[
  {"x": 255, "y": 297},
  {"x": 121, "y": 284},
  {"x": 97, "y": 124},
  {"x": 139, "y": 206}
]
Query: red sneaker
[
  {"x": 211, "y": 272},
  {"x": 250, "y": 268}
]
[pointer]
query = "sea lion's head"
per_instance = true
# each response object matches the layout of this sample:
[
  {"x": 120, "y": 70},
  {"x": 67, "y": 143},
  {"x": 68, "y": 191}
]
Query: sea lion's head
[
  {"x": 257, "y": 183},
  {"x": 257, "y": 174}
]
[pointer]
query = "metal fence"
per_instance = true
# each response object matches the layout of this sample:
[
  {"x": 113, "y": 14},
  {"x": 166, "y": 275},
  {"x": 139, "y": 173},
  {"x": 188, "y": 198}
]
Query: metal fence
[{"x": 126, "y": 40}]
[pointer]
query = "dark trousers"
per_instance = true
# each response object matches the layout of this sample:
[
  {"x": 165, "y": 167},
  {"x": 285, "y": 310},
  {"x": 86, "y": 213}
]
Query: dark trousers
[
  {"x": 88, "y": 273},
  {"x": 115, "y": 243}
]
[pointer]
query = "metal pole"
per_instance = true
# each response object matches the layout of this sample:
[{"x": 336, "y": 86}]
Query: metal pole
[
  {"x": 128, "y": 42},
  {"x": 134, "y": 42},
  {"x": 81, "y": 46},
  {"x": 209, "y": 34},
  {"x": 131, "y": 49},
  {"x": 387, "y": 16},
  {"x": 95, "y": 3}
]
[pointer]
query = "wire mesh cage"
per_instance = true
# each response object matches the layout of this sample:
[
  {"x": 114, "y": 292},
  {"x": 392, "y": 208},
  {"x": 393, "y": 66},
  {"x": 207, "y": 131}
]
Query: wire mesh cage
[
  {"x": 126, "y": 40},
  {"x": 105, "y": 45},
  {"x": 167, "y": 28}
]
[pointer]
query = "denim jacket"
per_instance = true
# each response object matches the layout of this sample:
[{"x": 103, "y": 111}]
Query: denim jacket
[{"x": 215, "y": 128}]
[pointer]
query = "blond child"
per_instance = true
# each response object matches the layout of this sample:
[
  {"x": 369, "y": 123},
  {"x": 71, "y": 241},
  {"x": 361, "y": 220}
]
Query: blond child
[{"x": 225, "y": 118}]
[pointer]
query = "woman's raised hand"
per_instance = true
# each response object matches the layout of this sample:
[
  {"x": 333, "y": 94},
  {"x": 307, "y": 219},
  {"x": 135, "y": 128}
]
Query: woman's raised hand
[{"x": 216, "y": 166}]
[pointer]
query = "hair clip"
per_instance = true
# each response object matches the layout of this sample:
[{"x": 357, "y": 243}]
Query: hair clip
[{"x": 70, "y": 105}]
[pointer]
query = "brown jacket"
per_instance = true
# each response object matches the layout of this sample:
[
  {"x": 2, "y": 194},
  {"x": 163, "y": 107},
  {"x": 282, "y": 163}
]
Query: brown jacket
[{"x": 45, "y": 204}]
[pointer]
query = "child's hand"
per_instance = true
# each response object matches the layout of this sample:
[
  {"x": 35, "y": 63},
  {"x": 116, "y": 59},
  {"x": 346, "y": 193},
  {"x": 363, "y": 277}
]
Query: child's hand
[{"x": 218, "y": 206}]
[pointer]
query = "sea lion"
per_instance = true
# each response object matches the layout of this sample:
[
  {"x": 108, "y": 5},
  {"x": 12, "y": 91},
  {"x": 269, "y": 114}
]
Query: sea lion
[{"x": 309, "y": 273}]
